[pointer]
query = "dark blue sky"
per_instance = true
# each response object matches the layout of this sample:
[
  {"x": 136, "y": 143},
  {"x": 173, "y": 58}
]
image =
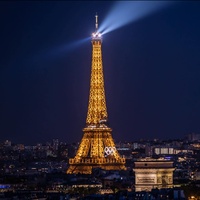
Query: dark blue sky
[{"x": 151, "y": 71}]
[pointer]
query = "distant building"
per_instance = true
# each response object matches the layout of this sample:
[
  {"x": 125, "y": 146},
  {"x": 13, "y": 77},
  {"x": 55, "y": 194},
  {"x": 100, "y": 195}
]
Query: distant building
[
  {"x": 169, "y": 151},
  {"x": 148, "y": 150},
  {"x": 153, "y": 173},
  {"x": 163, "y": 150},
  {"x": 183, "y": 151},
  {"x": 193, "y": 136},
  {"x": 55, "y": 144},
  {"x": 7, "y": 143}
]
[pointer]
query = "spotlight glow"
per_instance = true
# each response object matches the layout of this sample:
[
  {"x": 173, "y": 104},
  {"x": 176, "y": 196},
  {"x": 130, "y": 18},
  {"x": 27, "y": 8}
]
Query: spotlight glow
[
  {"x": 62, "y": 50},
  {"x": 68, "y": 47},
  {"x": 96, "y": 35},
  {"x": 124, "y": 13}
]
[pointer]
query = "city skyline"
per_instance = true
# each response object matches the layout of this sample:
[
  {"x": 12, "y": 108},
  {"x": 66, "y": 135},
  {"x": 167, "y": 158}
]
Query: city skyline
[{"x": 150, "y": 68}]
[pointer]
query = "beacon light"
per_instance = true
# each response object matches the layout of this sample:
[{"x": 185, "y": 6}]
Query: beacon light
[{"x": 124, "y": 13}]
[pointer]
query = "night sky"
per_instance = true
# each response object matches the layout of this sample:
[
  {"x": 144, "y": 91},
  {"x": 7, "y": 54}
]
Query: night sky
[{"x": 151, "y": 71}]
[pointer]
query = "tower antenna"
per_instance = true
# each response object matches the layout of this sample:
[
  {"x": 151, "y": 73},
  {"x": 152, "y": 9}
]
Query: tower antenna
[{"x": 96, "y": 25}]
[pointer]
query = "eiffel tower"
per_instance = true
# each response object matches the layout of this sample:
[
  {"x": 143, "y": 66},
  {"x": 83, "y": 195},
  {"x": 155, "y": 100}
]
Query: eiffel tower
[{"x": 97, "y": 148}]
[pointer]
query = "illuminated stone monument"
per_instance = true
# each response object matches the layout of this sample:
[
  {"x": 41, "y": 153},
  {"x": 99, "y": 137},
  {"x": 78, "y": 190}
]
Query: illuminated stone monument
[
  {"x": 153, "y": 173},
  {"x": 97, "y": 147}
]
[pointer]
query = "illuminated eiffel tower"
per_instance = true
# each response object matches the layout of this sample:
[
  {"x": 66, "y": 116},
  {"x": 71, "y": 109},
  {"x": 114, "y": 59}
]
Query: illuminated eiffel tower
[{"x": 97, "y": 147}]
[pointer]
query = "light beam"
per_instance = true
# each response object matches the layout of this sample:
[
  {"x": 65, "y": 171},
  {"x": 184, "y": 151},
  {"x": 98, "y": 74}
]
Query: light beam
[
  {"x": 55, "y": 52},
  {"x": 124, "y": 13}
]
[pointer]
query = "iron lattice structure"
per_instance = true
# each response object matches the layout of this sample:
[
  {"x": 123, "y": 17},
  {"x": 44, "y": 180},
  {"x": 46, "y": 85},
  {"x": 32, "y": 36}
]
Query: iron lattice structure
[{"x": 97, "y": 147}]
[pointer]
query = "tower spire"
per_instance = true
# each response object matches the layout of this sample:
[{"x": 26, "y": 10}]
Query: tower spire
[{"x": 96, "y": 25}]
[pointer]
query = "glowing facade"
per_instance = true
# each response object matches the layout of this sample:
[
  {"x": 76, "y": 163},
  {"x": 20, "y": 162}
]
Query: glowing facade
[
  {"x": 152, "y": 173},
  {"x": 97, "y": 147}
]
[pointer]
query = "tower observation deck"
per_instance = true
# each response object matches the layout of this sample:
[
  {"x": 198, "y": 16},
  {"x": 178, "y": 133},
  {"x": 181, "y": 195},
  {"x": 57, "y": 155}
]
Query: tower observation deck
[{"x": 97, "y": 148}]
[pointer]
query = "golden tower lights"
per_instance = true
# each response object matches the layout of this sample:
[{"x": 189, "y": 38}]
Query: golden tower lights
[{"x": 97, "y": 148}]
